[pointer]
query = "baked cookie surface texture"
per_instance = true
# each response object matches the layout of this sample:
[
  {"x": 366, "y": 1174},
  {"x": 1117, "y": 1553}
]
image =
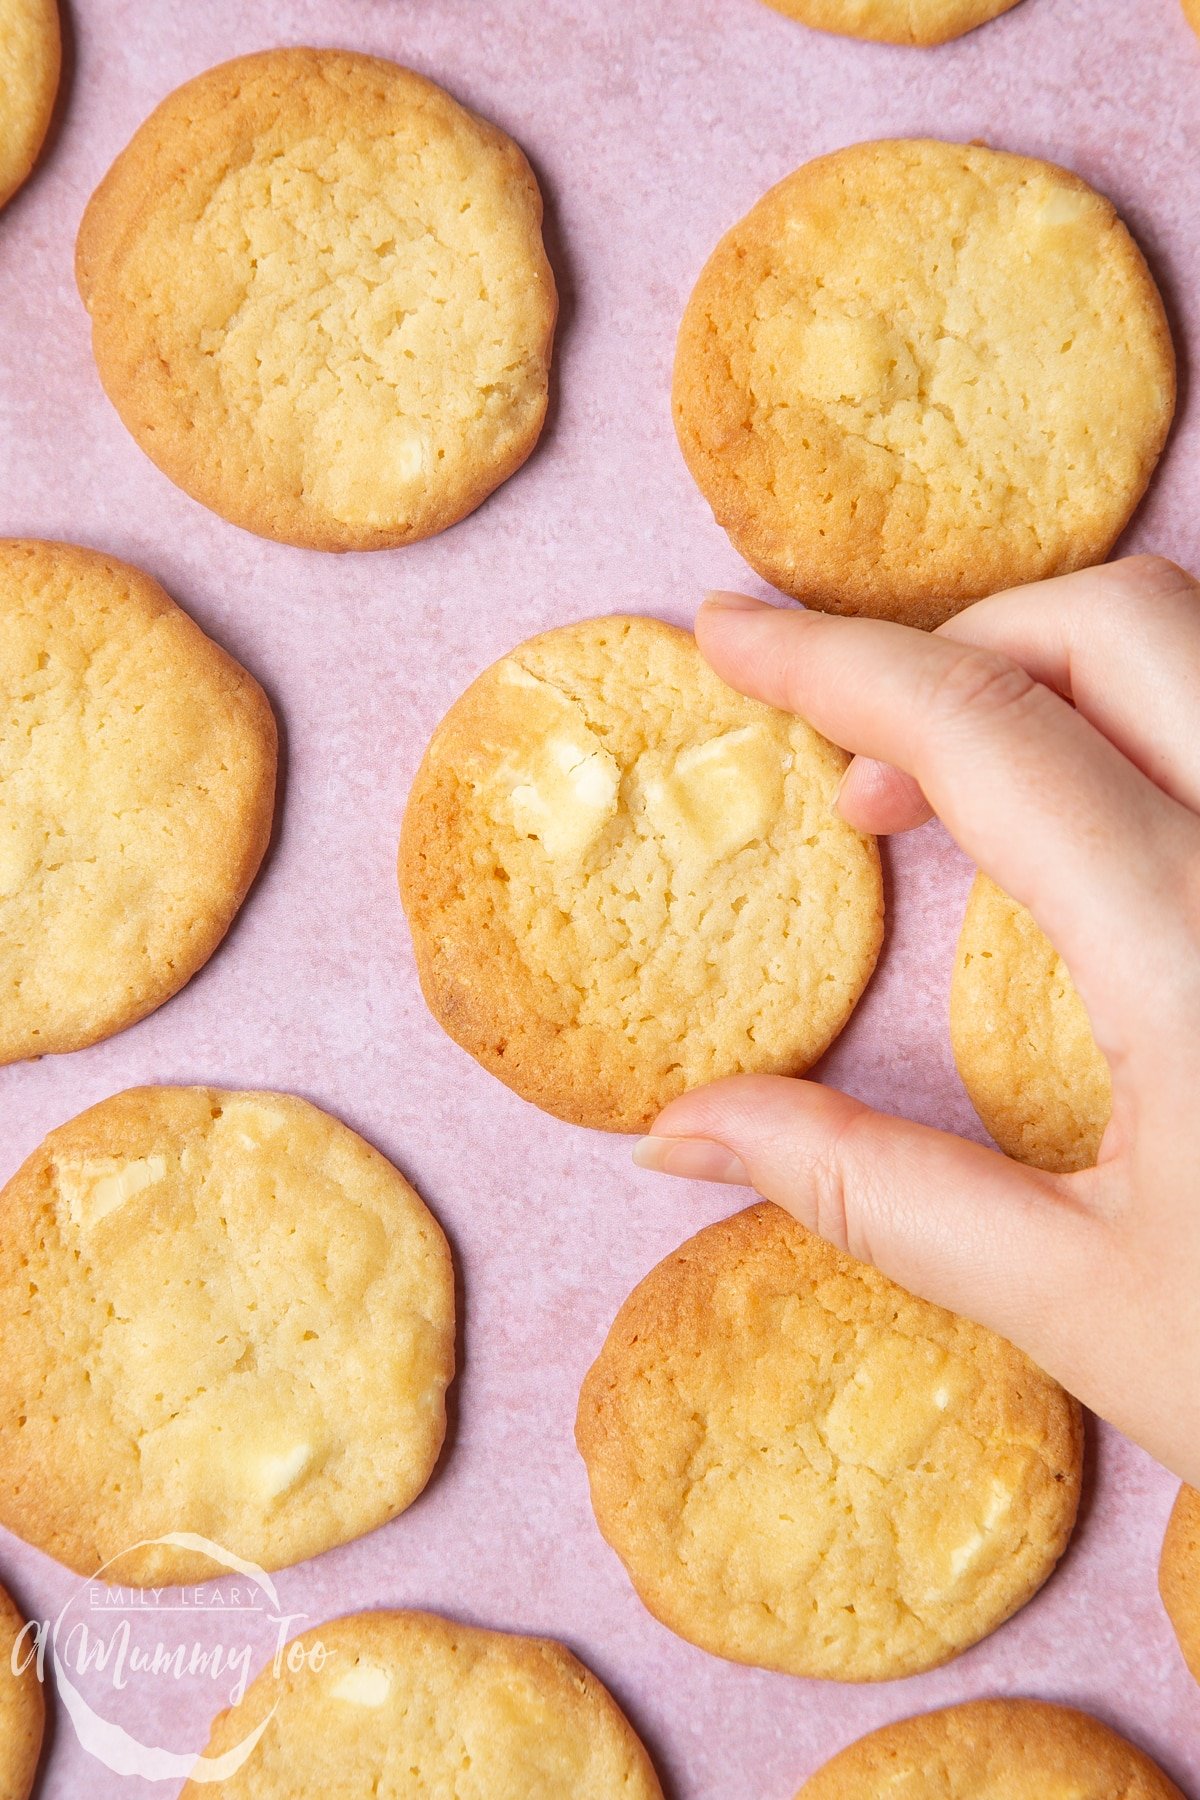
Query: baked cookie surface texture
[
  {"x": 624, "y": 879},
  {"x": 1179, "y": 1575},
  {"x": 137, "y": 789},
  {"x": 1022, "y": 1039},
  {"x": 22, "y": 1708},
  {"x": 320, "y": 300},
  {"x": 226, "y": 1315},
  {"x": 992, "y": 1750},
  {"x": 919, "y": 372},
  {"x": 407, "y": 1704},
  {"x": 30, "y": 62},
  {"x": 804, "y": 1467},
  {"x": 919, "y": 22}
]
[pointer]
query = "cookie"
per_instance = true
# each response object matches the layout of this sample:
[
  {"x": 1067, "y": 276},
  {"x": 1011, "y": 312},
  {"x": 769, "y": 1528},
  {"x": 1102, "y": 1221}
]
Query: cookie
[
  {"x": 919, "y": 22},
  {"x": 917, "y": 373},
  {"x": 397, "y": 1704},
  {"x": 804, "y": 1467},
  {"x": 30, "y": 64},
  {"x": 623, "y": 879},
  {"x": 992, "y": 1750},
  {"x": 137, "y": 786},
  {"x": 22, "y": 1707},
  {"x": 320, "y": 300},
  {"x": 1179, "y": 1575},
  {"x": 1022, "y": 1040},
  {"x": 225, "y": 1314}
]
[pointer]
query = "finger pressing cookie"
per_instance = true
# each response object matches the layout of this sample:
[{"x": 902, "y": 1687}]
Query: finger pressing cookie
[
  {"x": 624, "y": 879},
  {"x": 226, "y": 1315},
  {"x": 320, "y": 300},
  {"x": 804, "y": 1467},
  {"x": 917, "y": 373}
]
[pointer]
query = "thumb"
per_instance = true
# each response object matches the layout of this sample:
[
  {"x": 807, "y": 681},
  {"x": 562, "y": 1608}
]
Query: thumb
[{"x": 957, "y": 1224}]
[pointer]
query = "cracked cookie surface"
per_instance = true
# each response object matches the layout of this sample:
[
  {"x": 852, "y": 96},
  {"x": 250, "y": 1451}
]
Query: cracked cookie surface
[
  {"x": 917, "y": 22},
  {"x": 320, "y": 300},
  {"x": 22, "y": 1708},
  {"x": 408, "y": 1703},
  {"x": 30, "y": 62},
  {"x": 804, "y": 1467},
  {"x": 1179, "y": 1575},
  {"x": 919, "y": 372},
  {"x": 624, "y": 879},
  {"x": 992, "y": 1750},
  {"x": 1022, "y": 1039},
  {"x": 137, "y": 791},
  {"x": 225, "y": 1314}
]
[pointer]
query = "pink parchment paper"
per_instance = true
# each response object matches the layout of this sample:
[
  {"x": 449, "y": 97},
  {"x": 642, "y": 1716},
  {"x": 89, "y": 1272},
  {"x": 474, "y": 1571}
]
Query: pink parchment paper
[{"x": 653, "y": 126}]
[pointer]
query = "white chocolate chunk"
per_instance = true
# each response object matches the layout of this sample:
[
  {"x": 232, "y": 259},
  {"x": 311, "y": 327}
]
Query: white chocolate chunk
[
  {"x": 893, "y": 1404},
  {"x": 569, "y": 795},
  {"x": 964, "y": 1554},
  {"x": 719, "y": 795},
  {"x": 253, "y": 1122},
  {"x": 275, "y": 1474},
  {"x": 94, "y": 1189},
  {"x": 366, "y": 1684}
]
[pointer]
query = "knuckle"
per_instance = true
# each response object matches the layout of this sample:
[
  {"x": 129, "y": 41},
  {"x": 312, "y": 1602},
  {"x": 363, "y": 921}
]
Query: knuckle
[{"x": 974, "y": 682}]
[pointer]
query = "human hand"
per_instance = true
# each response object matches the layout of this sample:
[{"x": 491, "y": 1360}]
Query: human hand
[{"x": 1055, "y": 730}]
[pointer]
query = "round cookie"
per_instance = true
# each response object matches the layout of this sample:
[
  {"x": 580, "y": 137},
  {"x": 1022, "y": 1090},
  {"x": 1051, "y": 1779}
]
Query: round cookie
[
  {"x": 406, "y": 1703},
  {"x": 919, "y": 22},
  {"x": 225, "y": 1314},
  {"x": 806, "y": 1468},
  {"x": 30, "y": 64},
  {"x": 22, "y": 1708},
  {"x": 1179, "y": 1575},
  {"x": 320, "y": 300},
  {"x": 1022, "y": 1040},
  {"x": 992, "y": 1750},
  {"x": 137, "y": 788},
  {"x": 623, "y": 879},
  {"x": 917, "y": 373}
]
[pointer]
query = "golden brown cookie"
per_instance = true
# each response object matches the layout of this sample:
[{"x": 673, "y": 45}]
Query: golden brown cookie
[
  {"x": 30, "y": 63},
  {"x": 405, "y": 1704},
  {"x": 22, "y": 1707},
  {"x": 804, "y": 1467},
  {"x": 137, "y": 787},
  {"x": 225, "y": 1314},
  {"x": 992, "y": 1750},
  {"x": 624, "y": 879},
  {"x": 320, "y": 300},
  {"x": 1179, "y": 1575},
  {"x": 1022, "y": 1040},
  {"x": 918, "y": 372},
  {"x": 1191, "y": 12},
  {"x": 919, "y": 22}
]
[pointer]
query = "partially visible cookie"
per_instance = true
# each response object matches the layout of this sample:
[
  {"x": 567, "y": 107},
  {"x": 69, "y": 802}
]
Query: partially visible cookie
[
  {"x": 918, "y": 372},
  {"x": 919, "y": 22},
  {"x": 1191, "y": 12},
  {"x": 30, "y": 63},
  {"x": 1022, "y": 1039},
  {"x": 992, "y": 1750},
  {"x": 804, "y": 1467},
  {"x": 22, "y": 1707},
  {"x": 224, "y": 1314},
  {"x": 623, "y": 879},
  {"x": 1179, "y": 1575},
  {"x": 320, "y": 300},
  {"x": 137, "y": 790},
  {"x": 405, "y": 1704}
]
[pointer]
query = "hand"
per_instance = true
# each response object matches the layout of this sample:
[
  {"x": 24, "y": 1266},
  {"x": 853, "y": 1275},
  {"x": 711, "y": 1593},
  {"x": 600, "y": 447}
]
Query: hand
[{"x": 1055, "y": 730}]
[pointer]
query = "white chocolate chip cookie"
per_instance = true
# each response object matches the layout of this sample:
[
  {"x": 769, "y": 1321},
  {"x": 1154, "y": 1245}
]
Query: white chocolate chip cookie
[
  {"x": 225, "y": 1314},
  {"x": 624, "y": 879}
]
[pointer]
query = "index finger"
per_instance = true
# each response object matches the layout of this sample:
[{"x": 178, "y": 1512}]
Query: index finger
[{"x": 1033, "y": 793}]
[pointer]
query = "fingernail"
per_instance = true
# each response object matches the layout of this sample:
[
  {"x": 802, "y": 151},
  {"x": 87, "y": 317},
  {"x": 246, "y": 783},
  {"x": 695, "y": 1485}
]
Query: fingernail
[
  {"x": 697, "y": 1159},
  {"x": 727, "y": 602}
]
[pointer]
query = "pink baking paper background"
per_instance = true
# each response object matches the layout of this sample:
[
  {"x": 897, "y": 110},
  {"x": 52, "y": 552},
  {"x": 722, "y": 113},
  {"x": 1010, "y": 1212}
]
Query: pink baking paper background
[{"x": 652, "y": 126}]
